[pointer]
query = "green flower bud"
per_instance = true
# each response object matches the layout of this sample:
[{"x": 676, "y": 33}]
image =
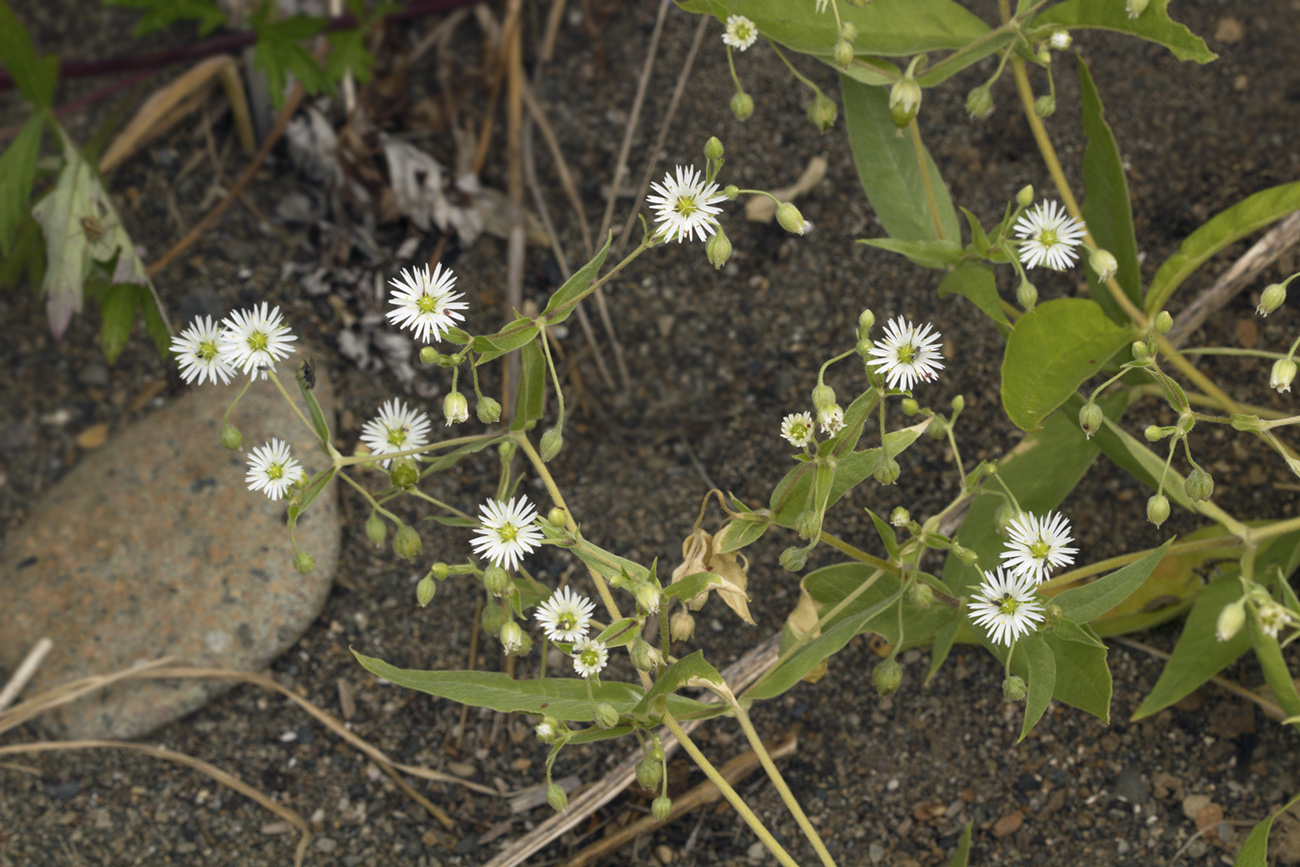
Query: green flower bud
[
  {"x": 1245, "y": 422},
  {"x": 404, "y": 473},
  {"x": 823, "y": 112},
  {"x": 1164, "y": 322},
  {"x": 938, "y": 428},
  {"x": 910, "y": 406},
  {"x": 849, "y": 31},
  {"x": 1231, "y": 619},
  {"x": 1283, "y": 375},
  {"x": 1158, "y": 509},
  {"x": 649, "y": 773},
  {"x": 866, "y": 321},
  {"x": 440, "y": 570},
  {"x": 376, "y": 530},
  {"x": 1045, "y": 58},
  {"x": 823, "y": 396},
  {"x": 887, "y": 472},
  {"x": 428, "y": 355},
  {"x": 1103, "y": 264},
  {"x": 407, "y": 544},
  {"x": 552, "y": 442},
  {"x": 742, "y": 105},
  {"x": 958, "y": 403},
  {"x": 304, "y": 563},
  {"x": 864, "y": 347},
  {"x": 549, "y": 730},
  {"x": 455, "y": 408},
  {"x": 979, "y": 102},
  {"x": 1269, "y": 300},
  {"x": 496, "y": 581},
  {"x": 920, "y": 594},
  {"x": 1014, "y": 688},
  {"x": 1045, "y": 105},
  {"x": 966, "y": 555},
  {"x": 1090, "y": 419},
  {"x": 1026, "y": 294},
  {"x": 886, "y": 677},
  {"x": 790, "y": 219},
  {"x": 809, "y": 524},
  {"x": 682, "y": 625},
  {"x": 661, "y": 808},
  {"x": 1135, "y": 7},
  {"x": 718, "y": 249},
  {"x": 1199, "y": 485},
  {"x": 424, "y": 591},
  {"x": 793, "y": 559},
  {"x": 713, "y": 148},
  {"x": 606, "y": 716},
  {"x": 731, "y": 191},
  {"x": 899, "y": 517},
  {"x": 1003, "y": 517},
  {"x": 488, "y": 410},
  {"x": 511, "y": 637},
  {"x": 640, "y": 654},
  {"x": 842, "y": 54},
  {"x": 556, "y": 797},
  {"x": 904, "y": 101},
  {"x": 648, "y": 596},
  {"x": 231, "y": 438},
  {"x": 1141, "y": 354},
  {"x": 1154, "y": 433},
  {"x": 557, "y": 517},
  {"x": 1025, "y": 197},
  {"x": 494, "y": 619}
]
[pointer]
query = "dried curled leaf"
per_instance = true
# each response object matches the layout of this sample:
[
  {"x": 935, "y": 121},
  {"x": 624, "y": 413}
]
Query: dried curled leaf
[{"x": 698, "y": 556}]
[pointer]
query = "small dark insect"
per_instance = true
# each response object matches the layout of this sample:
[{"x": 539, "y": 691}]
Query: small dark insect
[{"x": 308, "y": 371}]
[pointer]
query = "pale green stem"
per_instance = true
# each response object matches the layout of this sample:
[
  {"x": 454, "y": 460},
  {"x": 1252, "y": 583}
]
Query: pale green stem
[
  {"x": 291, "y": 402},
  {"x": 341, "y": 461}
]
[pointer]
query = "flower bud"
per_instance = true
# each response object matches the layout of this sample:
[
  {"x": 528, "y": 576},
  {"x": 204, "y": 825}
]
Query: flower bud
[
  {"x": 1154, "y": 433},
  {"x": 428, "y": 355},
  {"x": 557, "y": 517},
  {"x": 887, "y": 472},
  {"x": 823, "y": 112},
  {"x": 404, "y": 473},
  {"x": 904, "y": 101},
  {"x": 649, "y": 773},
  {"x": 742, "y": 105},
  {"x": 376, "y": 530},
  {"x": 1025, "y": 197},
  {"x": 1245, "y": 422},
  {"x": 496, "y": 581},
  {"x": 455, "y": 408},
  {"x": 1061, "y": 40},
  {"x": 552, "y": 442},
  {"x": 488, "y": 410},
  {"x": 1158, "y": 509},
  {"x": 304, "y": 563},
  {"x": 920, "y": 594},
  {"x": 809, "y": 524},
  {"x": 640, "y": 654},
  {"x": 899, "y": 517},
  {"x": 548, "y": 730},
  {"x": 713, "y": 149},
  {"x": 849, "y": 31},
  {"x": 511, "y": 638},
  {"x": 938, "y": 428},
  {"x": 1045, "y": 58},
  {"x": 231, "y": 438},
  {"x": 440, "y": 570},
  {"x": 1199, "y": 485},
  {"x": 556, "y": 797},
  {"x": 790, "y": 219},
  {"x": 910, "y": 406},
  {"x": 682, "y": 625},
  {"x": 1141, "y": 354},
  {"x": 1135, "y": 7},
  {"x": 1003, "y": 517},
  {"x": 966, "y": 555},
  {"x": 979, "y": 102},
  {"x": 718, "y": 249},
  {"x": 1164, "y": 322},
  {"x": 842, "y": 54},
  {"x": 731, "y": 191},
  {"x": 866, "y": 321},
  {"x": 823, "y": 396},
  {"x": 1014, "y": 688},
  {"x": 1283, "y": 375},
  {"x": 424, "y": 591},
  {"x": 886, "y": 677},
  {"x": 793, "y": 559},
  {"x": 1231, "y": 619},
  {"x": 661, "y": 808},
  {"x": 1104, "y": 264},
  {"x": 606, "y": 716},
  {"x": 648, "y": 596},
  {"x": 1026, "y": 294},
  {"x": 407, "y": 544},
  {"x": 1269, "y": 300},
  {"x": 494, "y": 619},
  {"x": 1090, "y": 418},
  {"x": 958, "y": 403}
]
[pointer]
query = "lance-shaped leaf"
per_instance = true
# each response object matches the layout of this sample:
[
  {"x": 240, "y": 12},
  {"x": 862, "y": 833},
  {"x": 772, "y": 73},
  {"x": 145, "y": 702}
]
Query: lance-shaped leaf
[{"x": 1153, "y": 24}]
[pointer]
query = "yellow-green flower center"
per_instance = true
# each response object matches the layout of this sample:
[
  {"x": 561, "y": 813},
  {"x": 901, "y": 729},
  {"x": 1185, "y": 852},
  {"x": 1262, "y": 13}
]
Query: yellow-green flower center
[
  {"x": 507, "y": 533},
  {"x": 207, "y": 350},
  {"x": 685, "y": 205},
  {"x": 906, "y": 353},
  {"x": 1009, "y": 604},
  {"x": 799, "y": 430},
  {"x": 1048, "y": 238},
  {"x": 275, "y": 471},
  {"x": 427, "y": 304},
  {"x": 590, "y": 658},
  {"x": 396, "y": 436},
  {"x": 566, "y": 620},
  {"x": 258, "y": 341},
  {"x": 1039, "y": 549}
]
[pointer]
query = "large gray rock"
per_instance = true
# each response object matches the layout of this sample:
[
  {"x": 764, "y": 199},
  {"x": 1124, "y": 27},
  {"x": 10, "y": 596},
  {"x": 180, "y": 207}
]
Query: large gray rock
[{"x": 151, "y": 547}]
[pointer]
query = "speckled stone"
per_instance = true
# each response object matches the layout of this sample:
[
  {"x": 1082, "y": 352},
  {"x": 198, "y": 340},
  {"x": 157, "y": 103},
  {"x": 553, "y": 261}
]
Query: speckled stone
[{"x": 152, "y": 547}]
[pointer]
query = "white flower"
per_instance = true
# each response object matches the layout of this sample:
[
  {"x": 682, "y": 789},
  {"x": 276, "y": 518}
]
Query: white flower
[
  {"x": 589, "y": 657},
  {"x": 254, "y": 340},
  {"x": 797, "y": 429},
  {"x": 271, "y": 470},
  {"x": 1048, "y": 236},
  {"x": 200, "y": 352},
  {"x": 397, "y": 428},
  {"x": 741, "y": 32},
  {"x": 566, "y": 616},
  {"x": 508, "y": 532},
  {"x": 906, "y": 354},
  {"x": 1006, "y": 606},
  {"x": 1272, "y": 617},
  {"x": 425, "y": 303},
  {"x": 1037, "y": 545},
  {"x": 684, "y": 206},
  {"x": 831, "y": 418},
  {"x": 545, "y": 732},
  {"x": 1061, "y": 40}
]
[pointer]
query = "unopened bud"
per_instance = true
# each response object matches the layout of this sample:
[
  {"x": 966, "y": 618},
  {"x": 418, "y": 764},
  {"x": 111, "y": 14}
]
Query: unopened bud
[
  {"x": 1231, "y": 619},
  {"x": 557, "y": 517},
  {"x": 606, "y": 716},
  {"x": 424, "y": 591},
  {"x": 1158, "y": 509},
  {"x": 823, "y": 112},
  {"x": 958, "y": 403},
  {"x": 376, "y": 530},
  {"x": 1164, "y": 322},
  {"x": 849, "y": 31},
  {"x": 231, "y": 438},
  {"x": 793, "y": 559},
  {"x": 661, "y": 808},
  {"x": 1283, "y": 375},
  {"x": 440, "y": 570},
  {"x": 1026, "y": 294},
  {"x": 1199, "y": 485},
  {"x": 1025, "y": 197},
  {"x": 488, "y": 410},
  {"x": 887, "y": 472},
  {"x": 455, "y": 408},
  {"x": 407, "y": 544},
  {"x": 910, "y": 406},
  {"x": 552, "y": 442},
  {"x": 899, "y": 517},
  {"x": 886, "y": 677},
  {"x": 979, "y": 102},
  {"x": 1244, "y": 422},
  {"x": 1061, "y": 40},
  {"x": 1103, "y": 263},
  {"x": 428, "y": 355},
  {"x": 404, "y": 473},
  {"x": 823, "y": 396},
  {"x": 304, "y": 563},
  {"x": 1003, "y": 517},
  {"x": 648, "y": 596},
  {"x": 966, "y": 555},
  {"x": 1135, "y": 7},
  {"x": 742, "y": 105},
  {"x": 790, "y": 219},
  {"x": 842, "y": 54},
  {"x": 938, "y": 428},
  {"x": 1045, "y": 58},
  {"x": 809, "y": 524},
  {"x": 866, "y": 321},
  {"x": 649, "y": 773},
  {"x": 731, "y": 191},
  {"x": 511, "y": 638},
  {"x": 1271, "y": 298},
  {"x": 713, "y": 148},
  {"x": 920, "y": 594},
  {"x": 1090, "y": 419},
  {"x": 494, "y": 619},
  {"x": 496, "y": 581},
  {"x": 1141, "y": 354},
  {"x": 718, "y": 249},
  {"x": 556, "y": 797},
  {"x": 682, "y": 625},
  {"x": 1154, "y": 433},
  {"x": 1014, "y": 688},
  {"x": 904, "y": 101}
]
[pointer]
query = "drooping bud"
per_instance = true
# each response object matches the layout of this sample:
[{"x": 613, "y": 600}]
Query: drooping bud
[
  {"x": 1061, "y": 40},
  {"x": 407, "y": 544},
  {"x": 376, "y": 530},
  {"x": 548, "y": 730},
  {"x": 1164, "y": 322},
  {"x": 849, "y": 31},
  {"x": 1199, "y": 485},
  {"x": 231, "y": 438},
  {"x": 494, "y": 619},
  {"x": 496, "y": 581},
  {"x": 938, "y": 428},
  {"x": 404, "y": 473},
  {"x": 440, "y": 570},
  {"x": 1014, "y": 688},
  {"x": 1026, "y": 294},
  {"x": 1025, "y": 197},
  {"x": 649, "y": 773},
  {"x": 823, "y": 396},
  {"x": 966, "y": 555},
  {"x": 809, "y": 524},
  {"x": 552, "y": 442},
  {"x": 1045, "y": 57},
  {"x": 887, "y": 472},
  {"x": 304, "y": 563},
  {"x": 1269, "y": 300},
  {"x": 681, "y": 626},
  {"x": 1231, "y": 619},
  {"x": 823, "y": 112},
  {"x": 793, "y": 559},
  {"x": 790, "y": 219},
  {"x": 904, "y": 101},
  {"x": 843, "y": 54},
  {"x": 606, "y": 716},
  {"x": 511, "y": 637},
  {"x": 455, "y": 408},
  {"x": 920, "y": 594},
  {"x": 910, "y": 406},
  {"x": 1135, "y": 7},
  {"x": 428, "y": 355},
  {"x": 713, "y": 149},
  {"x": 886, "y": 677},
  {"x": 1283, "y": 375},
  {"x": 1158, "y": 509},
  {"x": 425, "y": 590},
  {"x": 979, "y": 102},
  {"x": 488, "y": 410},
  {"x": 648, "y": 596},
  {"x": 899, "y": 517},
  {"x": 718, "y": 249},
  {"x": 1103, "y": 263},
  {"x": 1045, "y": 105},
  {"x": 640, "y": 654},
  {"x": 556, "y": 797},
  {"x": 1003, "y": 517},
  {"x": 1090, "y": 419},
  {"x": 661, "y": 808},
  {"x": 742, "y": 105}
]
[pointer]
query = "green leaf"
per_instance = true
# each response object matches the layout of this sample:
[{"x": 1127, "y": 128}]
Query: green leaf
[
  {"x": 154, "y": 325},
  {"x": 163, "y": 13},
  {"x": 1276, "y": 674},
  {"x": 840, "y": 446},
  {"x": 942, "y": 646},
  {"x": 452, "y": 457},
  {"x": 1153, "y": 25},
  {"x": 34, "y": 77},
  {"x": 279, "y": 53},
  {"x": 975, "y": 281},
  {"x": 118, "y": 314},
  {"x": 17, "y": 172},
  {"x": 889, "y": 171},
  {"x": 1082, "y": 604},
  {"x": 311, "y": 492},
  {"x": 1254, "y": 849},
  {"x": 830, "y": 585},
  {"x": 609, "y": 565},
  {"x": 929, "y": 254},
  {"x": 1037, "y": 659},
  {"x": 887, "y": 534},
  {"x": 1224, "y": 228},
  {"x": 532, "y": 385},
  {"x": 1199, "y": 655},
  {"x": 314, "y": 411},
  {"x": 741, "y": 532},
  {"x": 693, "y": 585},
  {"x": 1107, "y": 210},
  {"x": 348, "y": 53},
  {"x": 516, "y": 335},
  {"x": 1053, "y": 349},
  {"x": 979, "y": 240},
  {"x": 889, "y": 27},
  {"x": 1082, "y": 676},
  {"x": 575, "y": 286},
  {"x": 687, "y": 671},
  {"x": 961, "y": 857},
  {"x": 620, "y": 632}
]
